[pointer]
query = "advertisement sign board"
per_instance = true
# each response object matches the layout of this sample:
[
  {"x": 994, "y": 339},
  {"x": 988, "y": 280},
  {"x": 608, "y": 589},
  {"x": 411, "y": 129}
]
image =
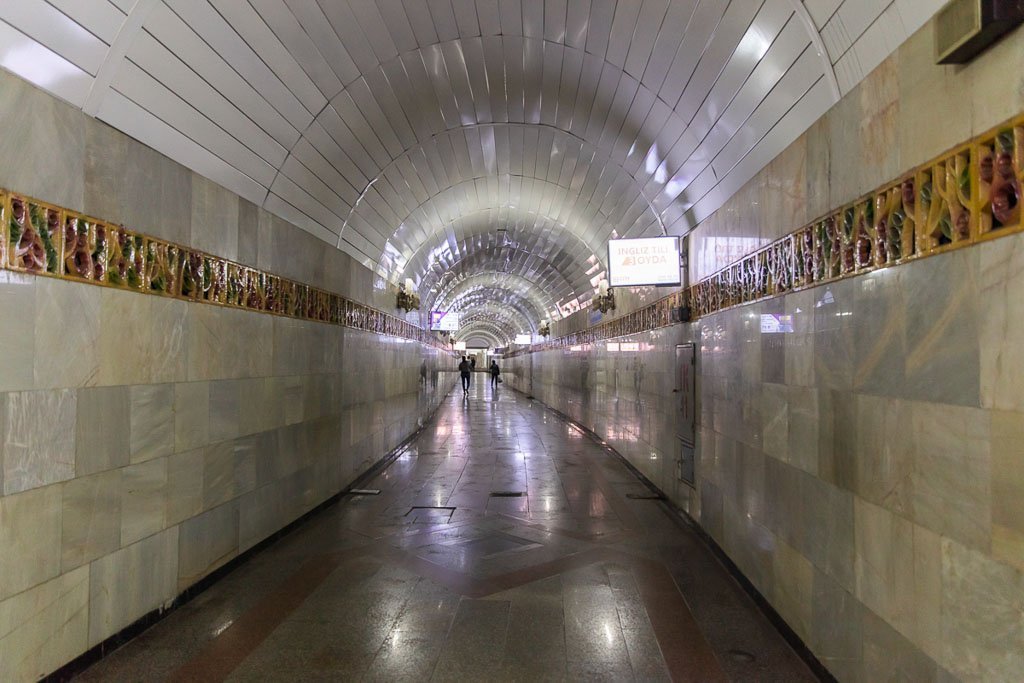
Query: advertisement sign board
[
  {"x": 444, "y": 321},
  {"x": 643, "y": 261}
]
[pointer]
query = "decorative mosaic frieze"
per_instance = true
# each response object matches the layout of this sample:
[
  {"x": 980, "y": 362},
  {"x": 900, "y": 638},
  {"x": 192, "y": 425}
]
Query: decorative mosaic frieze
[
  {"x": 966, "y": 195},
  {"x": 663, "y": 312},
  {"x": 46, "y": 240}
]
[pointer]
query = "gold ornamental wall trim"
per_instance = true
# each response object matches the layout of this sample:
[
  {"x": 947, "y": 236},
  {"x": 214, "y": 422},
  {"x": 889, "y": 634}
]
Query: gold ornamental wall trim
[
  {"x": 39, "y": 238},
  {"x": 965, "y": 196}
]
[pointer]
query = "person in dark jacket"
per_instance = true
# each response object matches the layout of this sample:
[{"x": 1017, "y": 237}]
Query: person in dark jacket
[
  {"x": 495, "y": 373},
  {"x": 464, "y": 370}
]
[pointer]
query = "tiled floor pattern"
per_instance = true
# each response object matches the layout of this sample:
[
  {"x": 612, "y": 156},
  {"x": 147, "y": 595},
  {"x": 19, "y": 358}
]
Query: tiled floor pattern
[{"x": 436, "y": 579}]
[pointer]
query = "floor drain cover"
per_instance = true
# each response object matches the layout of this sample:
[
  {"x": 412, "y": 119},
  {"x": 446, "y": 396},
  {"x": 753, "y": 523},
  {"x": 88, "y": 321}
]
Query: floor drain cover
[
  {"x": 740, "y": 656},
  {"x": 644, "y": 496},
  {"x": 507, "y": 494}
]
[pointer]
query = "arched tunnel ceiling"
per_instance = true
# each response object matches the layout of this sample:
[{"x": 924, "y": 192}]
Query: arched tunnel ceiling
[{"x": 452, "y": 141}]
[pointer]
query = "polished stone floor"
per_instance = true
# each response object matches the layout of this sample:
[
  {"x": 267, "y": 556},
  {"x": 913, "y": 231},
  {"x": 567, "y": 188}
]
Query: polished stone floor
[{"x": 438, "y": 578}]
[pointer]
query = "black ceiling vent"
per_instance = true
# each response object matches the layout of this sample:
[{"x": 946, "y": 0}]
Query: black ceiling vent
[{"x": 963, "y": 28}]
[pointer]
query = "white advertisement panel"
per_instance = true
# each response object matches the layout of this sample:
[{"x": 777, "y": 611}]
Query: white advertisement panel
[
  {"x": 643, "y": 261},
  {"x": 444, "y": 321}
]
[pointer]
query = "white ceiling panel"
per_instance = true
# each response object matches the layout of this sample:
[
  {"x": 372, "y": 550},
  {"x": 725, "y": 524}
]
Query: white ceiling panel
[
  {"x": 486, "y": 148},
  {"x": 100, "y": 17},
  {"x": 38, "y": 64},
  {"x": 51, "y": 28}
]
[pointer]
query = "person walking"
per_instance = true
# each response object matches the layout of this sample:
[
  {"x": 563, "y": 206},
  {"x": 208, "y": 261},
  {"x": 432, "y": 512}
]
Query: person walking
[
  {"x": 495, "y": 374},
  {"x": 464, "y": 370}
]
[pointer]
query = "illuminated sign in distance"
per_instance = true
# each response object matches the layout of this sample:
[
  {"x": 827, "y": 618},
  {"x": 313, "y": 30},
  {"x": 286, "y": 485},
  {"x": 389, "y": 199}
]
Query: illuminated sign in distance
[
  {"x": 523, "y": 339},
  {"x": 444, "y": 321},
  {"x": 644, "y": 261}
]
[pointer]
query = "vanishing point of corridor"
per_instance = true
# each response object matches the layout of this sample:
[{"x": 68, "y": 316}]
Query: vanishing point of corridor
[{"x": 504, "y": 544}]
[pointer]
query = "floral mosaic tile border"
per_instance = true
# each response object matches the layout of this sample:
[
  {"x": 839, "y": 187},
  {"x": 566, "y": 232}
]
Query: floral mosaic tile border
[{"x": 47, "y": 240}]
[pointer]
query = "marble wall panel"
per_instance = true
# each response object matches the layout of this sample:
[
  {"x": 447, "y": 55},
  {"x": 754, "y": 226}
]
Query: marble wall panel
[
  {"x": 833, "y": 348},
  {"x": 783, "y": 202},
  {"x": 829, "y": 529},
  {"x": 152, "y": 421},
  {"x": 17, "y": 334},
  {"x": 248, "y": 235},
  {"x": 928, "y": 92},
  {"x": 884, "y": 563},
  {"x": 878, "y": 114},
  {"x": 39, "y": 439},
  {"x": 260, "y": 513},
  {"x": 1008, "y": 488},
  {"x": 879, "y": 324},
  {"x": 951, "y": 481},
  {"x": 1001, "y": 322},
  {"x": 30, "y": 534},
  {"x": 155, "y": 198},
  {"x": 941, "y": 320},
  {"x": 225, "y": 409},
  {"x": 837, "y": 637},
  {"x": 184, "y": 486},
  {"x": 982, "y": 608},
  {"x": 793, "y": 587},
  {"x": 191, "y": 415},
  {"x": 125, "y": 338},
  {"x": 802, "y": 444},
  {"x": 167, "y": 334},
  {"x": 91, "y": 518},
  {"x": 206, "y": 542},
  {"x": 67, "y": 332},
  {"x": 775, "y": 420},
  {"x": 888, "y": 655},
  {"x": 218, "y": 474},
  {"x": 101, "y": 429},
  {"x": 998, "y": 80},
  {"x": 819, "y": 169},
  {"x": 44, "y": 627},
  {"x": 215, "y": 218},
  {"x": 131, "y": 582},
  {"x": 143, "y": 500},
  {"x": 38, "y": 129},
  {"x": 883, "y": 462},
  {"x": 799, "y": 344}
]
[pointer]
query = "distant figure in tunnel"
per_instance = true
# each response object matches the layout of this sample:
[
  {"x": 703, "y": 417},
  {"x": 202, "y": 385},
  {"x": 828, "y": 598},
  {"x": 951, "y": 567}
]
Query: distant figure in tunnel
[
  {"x": 464, "y": 370},
  {"x": 495, "y": 374}
]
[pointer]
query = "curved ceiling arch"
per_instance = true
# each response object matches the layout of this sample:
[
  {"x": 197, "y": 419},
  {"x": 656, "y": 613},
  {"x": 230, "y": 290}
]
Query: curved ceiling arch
[
  {"x": 504, "y": 286},
  {"x": 561, "y": 277},
  {"x": 542, "y": 274},
  {"x": 491, "y": 300},
  {"x": 494, "y": 312},
  {"x": 491, "y": 151},
  {"x": 503, "y": 201},
  {"x": 498, "y": 335},
  {"x": 372, "y": 124},
  {"x": 497, "y": 228}
]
